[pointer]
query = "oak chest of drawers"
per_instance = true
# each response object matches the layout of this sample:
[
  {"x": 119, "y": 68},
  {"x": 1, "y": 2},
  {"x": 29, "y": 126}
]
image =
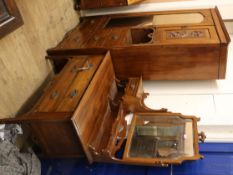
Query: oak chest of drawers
[{"x": 169, "y": 45}]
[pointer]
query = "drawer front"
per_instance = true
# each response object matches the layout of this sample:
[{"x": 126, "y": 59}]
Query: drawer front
[
  {"x": 80, "y": 35},
  {"x": 108, "y": 38},
  {"x": 66, "y": 89},
  {"x": 79, "y": 85},
  {"x": 116, "y": 37}
]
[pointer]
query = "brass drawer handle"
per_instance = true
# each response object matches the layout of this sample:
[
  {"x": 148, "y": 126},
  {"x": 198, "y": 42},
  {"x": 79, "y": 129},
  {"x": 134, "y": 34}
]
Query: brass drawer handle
[
  {"x": 92, "y": 21},
  {"x": 77, "y": 69},
  {"x": 54, "y": 94},
  {"x": 114, "y": 37},
  {"x": 96, "y": 38},
  {"x": 77, "y": 39},
  {"x": 201, "y": 136},
  {"x": 73, "y": 93}
]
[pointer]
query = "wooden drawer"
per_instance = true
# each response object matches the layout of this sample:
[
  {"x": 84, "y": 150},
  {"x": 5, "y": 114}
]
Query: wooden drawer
[
  {"x": 79, "y": 36},
  {"x": 67, "y": 88}
]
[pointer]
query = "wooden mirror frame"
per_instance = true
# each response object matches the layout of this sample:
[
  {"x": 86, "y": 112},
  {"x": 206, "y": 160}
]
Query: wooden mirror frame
[
  {"x": 10, "y": 18},
  {"x": 158, "y": 161}
]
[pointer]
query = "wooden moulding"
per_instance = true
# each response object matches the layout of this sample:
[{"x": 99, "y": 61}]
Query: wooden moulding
[
  {"x": 61, "y": 53},
  {"x": 10, "y": 18},
  {"x": 130, "y": 2},
  {"x": 225, "y": 40},
  {"x": 39, "y": 116},
  {"x": 108, "y": 154}
]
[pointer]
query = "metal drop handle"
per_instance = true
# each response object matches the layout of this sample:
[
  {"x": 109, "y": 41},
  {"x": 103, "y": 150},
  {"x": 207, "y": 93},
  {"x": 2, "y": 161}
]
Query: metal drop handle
[
  {"x": 77, "y": 69},
  {"x": 54, "y": 94},
  {"x": 114, "y": 37},
  {"x": 73, "y": 93}
]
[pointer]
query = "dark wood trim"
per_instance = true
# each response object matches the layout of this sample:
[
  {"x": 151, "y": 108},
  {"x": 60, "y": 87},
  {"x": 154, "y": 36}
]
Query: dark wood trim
[
  {"x": 223, "y": 25},
  {"x": 39, "y": 116},
  {"x": 13, "y": 19},
  {"x": 59, "y": 52}
]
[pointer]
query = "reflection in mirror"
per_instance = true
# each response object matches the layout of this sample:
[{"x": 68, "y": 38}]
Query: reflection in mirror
[
  {"x": 130, "y": 21},
  {"x": 185, "y": 18},
  {"x": 162, "y": 137},
  {"x": 168, "y": 19}
]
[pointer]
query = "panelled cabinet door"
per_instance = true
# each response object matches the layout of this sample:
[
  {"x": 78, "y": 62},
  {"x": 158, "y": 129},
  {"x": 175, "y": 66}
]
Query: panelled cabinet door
[{"x": 10, "y": 18}]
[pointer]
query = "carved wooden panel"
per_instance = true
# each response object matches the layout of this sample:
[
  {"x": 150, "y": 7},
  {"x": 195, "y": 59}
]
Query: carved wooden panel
[
  {"x": 10, "y": 18},
  {"x": 186, "y": 35},
  {"x": 179, "y": 34}
]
